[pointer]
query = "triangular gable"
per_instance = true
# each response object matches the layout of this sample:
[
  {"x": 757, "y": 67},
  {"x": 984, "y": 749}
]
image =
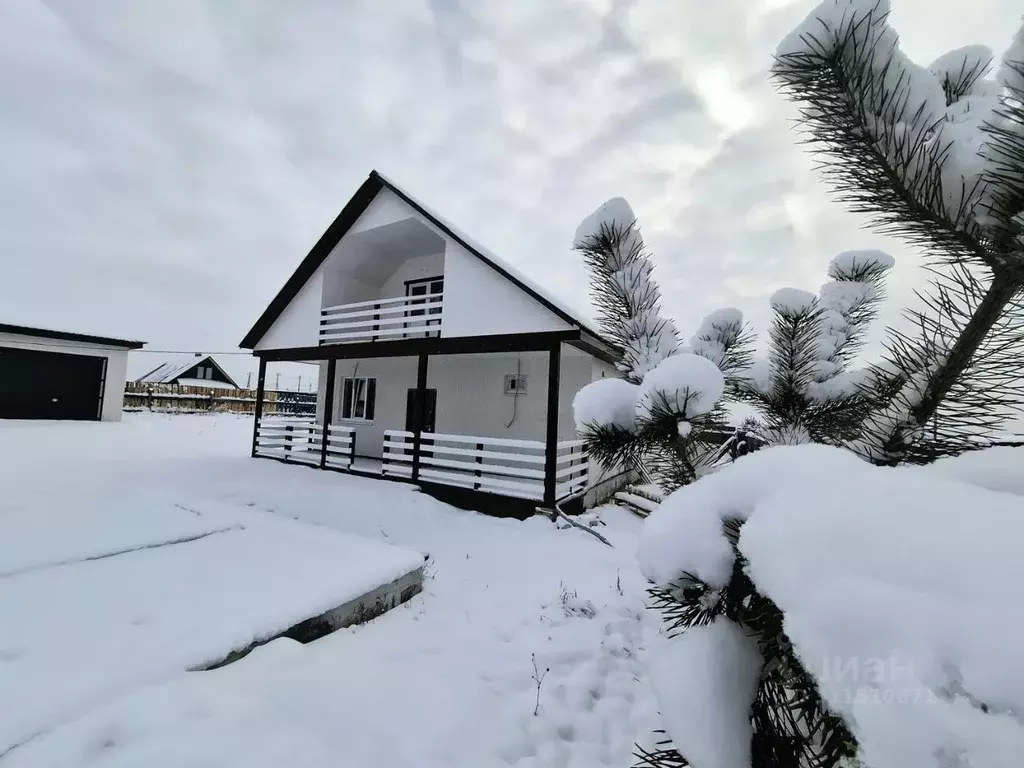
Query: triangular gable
[{"x": 348, "y": 218}]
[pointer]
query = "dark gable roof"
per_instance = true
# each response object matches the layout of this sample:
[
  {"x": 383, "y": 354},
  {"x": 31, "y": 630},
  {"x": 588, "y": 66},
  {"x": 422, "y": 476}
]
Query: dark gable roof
[
  {"x": 346, "y": 219},
  {"x": 46, "y": 333},
  {"x": 174, "y": 368}
]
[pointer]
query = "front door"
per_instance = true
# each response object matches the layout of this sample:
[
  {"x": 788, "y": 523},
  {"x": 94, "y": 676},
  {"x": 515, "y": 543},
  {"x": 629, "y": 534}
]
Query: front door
[{"x": 429, "y": 411}]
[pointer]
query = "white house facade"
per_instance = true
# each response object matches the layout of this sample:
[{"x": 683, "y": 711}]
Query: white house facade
[
  {"x": 438, "y": 364},
  {"x": 49, "y": 374}
]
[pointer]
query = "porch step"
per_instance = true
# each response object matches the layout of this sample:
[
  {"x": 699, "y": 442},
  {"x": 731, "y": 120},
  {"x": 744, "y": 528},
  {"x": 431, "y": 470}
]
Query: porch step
[{"x": 637, "y": 504}]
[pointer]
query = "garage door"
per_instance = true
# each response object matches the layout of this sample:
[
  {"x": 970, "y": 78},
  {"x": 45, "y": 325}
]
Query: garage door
[{"x": 49, "y": 385}]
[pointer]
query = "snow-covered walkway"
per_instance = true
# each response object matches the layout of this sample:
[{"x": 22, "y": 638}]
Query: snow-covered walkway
[{"x": 446, "y": 680}]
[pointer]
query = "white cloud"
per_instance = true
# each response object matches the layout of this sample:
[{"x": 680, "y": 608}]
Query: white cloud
[{"x": 167, "y": 165}]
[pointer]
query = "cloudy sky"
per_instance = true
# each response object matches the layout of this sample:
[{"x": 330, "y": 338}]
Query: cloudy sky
[{"x": 164, "y": 166}]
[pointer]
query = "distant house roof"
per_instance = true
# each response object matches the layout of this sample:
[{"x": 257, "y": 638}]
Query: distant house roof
[
  {"x": 174, "y": 367},
  {"x": 49, "y": 333},
  {"x": 347, "y": 218}
]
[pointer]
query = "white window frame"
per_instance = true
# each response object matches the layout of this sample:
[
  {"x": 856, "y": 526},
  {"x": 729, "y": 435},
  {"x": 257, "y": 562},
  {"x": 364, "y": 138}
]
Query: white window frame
[{"x": 347, "y": 405}]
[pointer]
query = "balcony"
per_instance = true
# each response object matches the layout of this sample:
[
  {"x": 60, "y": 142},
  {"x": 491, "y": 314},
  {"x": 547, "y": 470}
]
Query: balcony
[{"x": 401, "y": 317}]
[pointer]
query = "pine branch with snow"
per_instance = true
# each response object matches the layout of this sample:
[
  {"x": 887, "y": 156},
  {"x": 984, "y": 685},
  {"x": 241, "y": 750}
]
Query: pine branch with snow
[
  {"x": 936, "y": 156},
  {"x": 806, "y": 389},
  {"x": 623, "y": 290},
  {"x": 670, "y": 423}
]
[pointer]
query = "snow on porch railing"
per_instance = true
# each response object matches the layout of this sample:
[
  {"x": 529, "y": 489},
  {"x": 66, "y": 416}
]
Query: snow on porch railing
[
  {"x": 402, "y": 317},
  {"x": 572, "y": 468},
  {"x": 301, "y": 440},
  {"x": 496, "y": 465}
]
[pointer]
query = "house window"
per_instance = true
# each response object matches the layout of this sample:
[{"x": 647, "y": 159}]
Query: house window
[
  {"x": 515, "y": 384},
  {"x": 358, "y": 398}
]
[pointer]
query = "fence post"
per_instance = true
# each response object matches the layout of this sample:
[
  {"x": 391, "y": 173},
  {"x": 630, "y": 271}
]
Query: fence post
[
  {"x": 479, "y": 460},
  {"x": 376, "y": 324},
  {"x": 287, "y": 441},
  {"x": 352, "y": 455}
]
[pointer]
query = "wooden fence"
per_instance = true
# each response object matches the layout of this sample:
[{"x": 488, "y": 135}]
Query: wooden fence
[{"x": 175, "y": 398}]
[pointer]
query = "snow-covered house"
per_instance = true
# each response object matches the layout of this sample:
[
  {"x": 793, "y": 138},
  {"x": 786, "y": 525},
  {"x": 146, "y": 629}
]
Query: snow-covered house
[
  {"x": 438, "y": 363},
  {"x": 197, "y": 370}
]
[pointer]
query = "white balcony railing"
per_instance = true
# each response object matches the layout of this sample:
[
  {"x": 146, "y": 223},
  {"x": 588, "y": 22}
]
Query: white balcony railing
[{"x": 402, "y": 317}]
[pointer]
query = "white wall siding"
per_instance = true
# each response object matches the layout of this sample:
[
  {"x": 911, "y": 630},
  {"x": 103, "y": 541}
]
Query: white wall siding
[
  {"x": 413, "y": 269},
  {"x": 299, "y": 324},
  {"x": 386, "y": 208},
  {"x": 478, "y": 301},
  {"x": 471, "y": 397},
  {"x": 395, "y": 376},
  {"x": 117, "y": 365}
]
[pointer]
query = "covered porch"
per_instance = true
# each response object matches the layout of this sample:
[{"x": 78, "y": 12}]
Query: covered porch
[{"x": 483, "y": 423}]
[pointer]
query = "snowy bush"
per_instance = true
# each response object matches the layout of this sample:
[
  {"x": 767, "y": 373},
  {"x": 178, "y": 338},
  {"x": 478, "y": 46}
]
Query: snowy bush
[
  {"x": 662, "y": 420},
  {"x": 606, "y": 402},
  {"x": 806, "y": 389},
  {"x": 879, "y": 597},
  {"x": 684, "y": 386},
  {"x": 877, "y": 602}
]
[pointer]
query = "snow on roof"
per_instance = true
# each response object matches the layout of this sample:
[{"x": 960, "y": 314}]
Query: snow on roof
[
  {"x": 173, "y": 367},
  {"x": 489, "y": 255}
]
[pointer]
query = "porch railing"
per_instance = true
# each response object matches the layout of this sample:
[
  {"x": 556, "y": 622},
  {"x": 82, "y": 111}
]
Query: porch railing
[
  {"x": 401, "y": 317},
  {"x": 572, "y": 468},
  {"x": 301, "y": 441},
  {"x": 495, "y": 465}
]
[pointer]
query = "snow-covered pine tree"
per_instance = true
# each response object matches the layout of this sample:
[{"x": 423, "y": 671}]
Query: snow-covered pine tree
[
  {"x": 663, "y": 417},
  {"x": 806, "y": 389},
  {"x": 934, "y": 155}
]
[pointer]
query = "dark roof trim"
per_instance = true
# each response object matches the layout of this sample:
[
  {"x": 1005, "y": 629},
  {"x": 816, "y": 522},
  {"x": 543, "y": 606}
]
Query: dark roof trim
[
  {"x": 445, "y": 345},
  {"x": 598, "y": 347},
  {"x": 46, "y": 333},
  {"x": 341, "y": 225}
]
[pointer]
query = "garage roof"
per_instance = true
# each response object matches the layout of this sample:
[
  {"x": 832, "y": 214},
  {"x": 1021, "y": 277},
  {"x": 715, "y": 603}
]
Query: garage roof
[{"x": 48, "y": 333}]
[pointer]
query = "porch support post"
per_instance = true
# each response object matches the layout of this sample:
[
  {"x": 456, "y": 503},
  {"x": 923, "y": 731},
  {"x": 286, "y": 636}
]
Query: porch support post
[
  {"x": 328, "y": 411},
  {"x": 260, "y": 382},
  {"x": 551, "y": 438},
  {"x": 418, "y": 413}
]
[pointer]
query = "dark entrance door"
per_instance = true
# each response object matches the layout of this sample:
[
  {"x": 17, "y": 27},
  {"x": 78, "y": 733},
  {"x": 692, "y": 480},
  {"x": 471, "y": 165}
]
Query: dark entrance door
[
  {"x": 430, "y": 411},
  {"x": 49, "y": 385}
]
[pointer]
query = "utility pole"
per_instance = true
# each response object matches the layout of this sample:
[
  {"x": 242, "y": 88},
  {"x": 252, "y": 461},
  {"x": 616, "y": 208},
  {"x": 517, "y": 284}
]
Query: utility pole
[
  {"x": 299, "y": 388},
  {"x": 277, "y": 381},
  {"x": 248, "y": 380}
]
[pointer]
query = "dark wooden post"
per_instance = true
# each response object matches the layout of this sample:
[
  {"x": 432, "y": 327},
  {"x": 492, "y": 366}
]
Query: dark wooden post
[
  {"x": 260, "y": 381},
  {"x": 551, "y": 438},
  {"x": 418, "y": 413},
  {"x": 328, "y": 412},
  {"x": 479, "y": 461}
]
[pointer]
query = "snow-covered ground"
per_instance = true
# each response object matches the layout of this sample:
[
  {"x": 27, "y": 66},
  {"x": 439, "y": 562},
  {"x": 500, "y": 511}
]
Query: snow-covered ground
[{"x": 446, "y": 680}]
